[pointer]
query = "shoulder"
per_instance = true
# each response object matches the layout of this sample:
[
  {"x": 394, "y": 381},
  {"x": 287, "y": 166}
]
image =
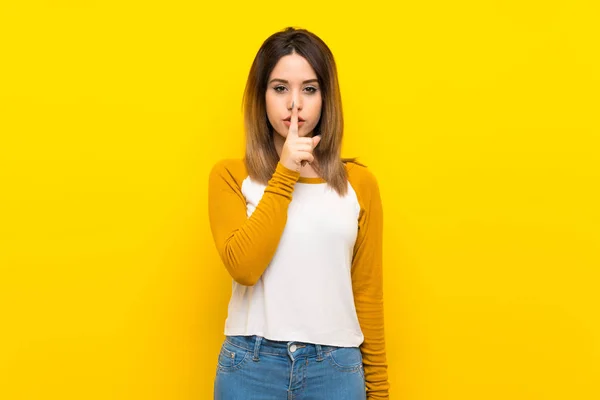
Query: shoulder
[
  {"x": 364, "y": 183},
  {"x": 360, "y": 176},
  {"x": 231, "y": 169},
  {"x": 230, "y": 164}
]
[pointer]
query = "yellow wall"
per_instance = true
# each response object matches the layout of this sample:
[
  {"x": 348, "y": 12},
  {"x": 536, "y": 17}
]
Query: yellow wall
[{"x": 480, "y": 120}]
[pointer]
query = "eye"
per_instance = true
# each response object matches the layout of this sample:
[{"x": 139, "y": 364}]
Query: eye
[
  {"x": 311, "y": 89},
  {"x": 279, "y": 88}
]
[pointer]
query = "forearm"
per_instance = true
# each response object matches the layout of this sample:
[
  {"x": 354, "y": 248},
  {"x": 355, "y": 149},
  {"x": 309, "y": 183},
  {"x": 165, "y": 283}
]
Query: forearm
[
  {"x": 369, "y": 310},
  {"x": 247, "y": 245}
]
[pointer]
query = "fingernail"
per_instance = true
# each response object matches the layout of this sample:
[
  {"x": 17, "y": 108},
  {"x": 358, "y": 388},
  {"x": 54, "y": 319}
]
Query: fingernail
[{"x": 293, "y": 104}]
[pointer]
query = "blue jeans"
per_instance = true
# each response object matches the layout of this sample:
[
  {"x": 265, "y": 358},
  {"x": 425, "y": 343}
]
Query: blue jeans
[{"x": 252, "y": 367}]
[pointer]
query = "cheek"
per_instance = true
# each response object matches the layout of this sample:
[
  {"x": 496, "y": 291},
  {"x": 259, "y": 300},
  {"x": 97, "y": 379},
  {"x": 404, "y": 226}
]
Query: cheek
[
  {"x": 318, "y": 105},
  {"x": 317, "y": 110},
  {"x": 271, "y": 108}
]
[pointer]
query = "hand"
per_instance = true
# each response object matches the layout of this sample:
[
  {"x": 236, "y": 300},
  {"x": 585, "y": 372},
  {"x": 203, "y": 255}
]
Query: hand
[{"x": 297, "y": 151}]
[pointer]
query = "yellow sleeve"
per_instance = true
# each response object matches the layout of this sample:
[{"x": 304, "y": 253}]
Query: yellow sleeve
[
  {"x": 247, "y": 245},
  {"x": 367, "y": 281}
]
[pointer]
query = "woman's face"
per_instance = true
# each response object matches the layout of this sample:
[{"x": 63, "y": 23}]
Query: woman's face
[{"x": 293, "y": 80}]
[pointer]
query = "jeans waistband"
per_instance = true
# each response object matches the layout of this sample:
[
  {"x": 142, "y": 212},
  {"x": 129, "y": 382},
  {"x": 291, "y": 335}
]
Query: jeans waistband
[{"x": 261, "y": 345}]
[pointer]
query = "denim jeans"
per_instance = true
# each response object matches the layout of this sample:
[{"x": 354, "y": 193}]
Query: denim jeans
[{"x": 252, "y": 367}]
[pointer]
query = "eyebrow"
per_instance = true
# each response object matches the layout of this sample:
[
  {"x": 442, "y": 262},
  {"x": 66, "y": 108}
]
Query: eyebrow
[{"x": 284, "y": 81}]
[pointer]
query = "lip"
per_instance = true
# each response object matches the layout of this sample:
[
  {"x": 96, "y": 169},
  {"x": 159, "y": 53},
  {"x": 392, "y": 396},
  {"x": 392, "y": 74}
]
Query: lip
[
  {"x": 288, "y": 119},
  {"x": 288, "y": 123}
]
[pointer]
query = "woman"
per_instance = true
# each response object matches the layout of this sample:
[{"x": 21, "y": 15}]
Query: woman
[{"x": 299, "y": 230}]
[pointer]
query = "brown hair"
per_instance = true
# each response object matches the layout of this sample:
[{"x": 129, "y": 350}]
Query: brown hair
[{"x": 261, "y": 156}]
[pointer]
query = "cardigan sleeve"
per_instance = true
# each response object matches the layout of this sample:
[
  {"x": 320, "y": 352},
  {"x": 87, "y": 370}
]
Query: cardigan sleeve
[
  {"x": 367, "y": 282},
  {"x": 247, "y": 244}
]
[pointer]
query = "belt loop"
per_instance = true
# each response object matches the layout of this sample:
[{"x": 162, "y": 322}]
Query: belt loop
[
  {"x": 319, "y": 352},
  {"x": 257, "y": 347}
]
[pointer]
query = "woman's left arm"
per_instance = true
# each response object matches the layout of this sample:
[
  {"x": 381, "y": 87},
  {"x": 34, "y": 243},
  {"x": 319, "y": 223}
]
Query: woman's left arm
[{"x": 367, "y": 284}]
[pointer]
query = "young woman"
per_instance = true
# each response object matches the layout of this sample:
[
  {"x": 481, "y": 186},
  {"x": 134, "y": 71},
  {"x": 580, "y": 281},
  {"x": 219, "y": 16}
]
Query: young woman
[{"x": 299, "y": 230}]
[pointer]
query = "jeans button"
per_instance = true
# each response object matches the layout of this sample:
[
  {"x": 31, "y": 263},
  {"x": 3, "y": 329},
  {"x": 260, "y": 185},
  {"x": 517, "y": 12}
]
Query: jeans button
[{"x": 293, "y": 348}]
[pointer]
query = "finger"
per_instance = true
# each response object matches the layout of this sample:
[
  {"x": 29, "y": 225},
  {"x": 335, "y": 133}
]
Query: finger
[
  {"x": 293, "y": 131},
  {"x": 306, "y": 156},
  {"x": 304, "y": 141},
  {"x": 303, "y": 147},
  {"x": 316, "y": 140}
]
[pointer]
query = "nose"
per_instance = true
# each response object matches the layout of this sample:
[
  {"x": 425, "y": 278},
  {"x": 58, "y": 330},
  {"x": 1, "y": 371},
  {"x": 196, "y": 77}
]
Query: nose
[{"x": 296, "y": 100}]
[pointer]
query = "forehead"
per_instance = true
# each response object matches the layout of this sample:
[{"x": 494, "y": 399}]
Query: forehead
[{"x": 293, "y": 67}]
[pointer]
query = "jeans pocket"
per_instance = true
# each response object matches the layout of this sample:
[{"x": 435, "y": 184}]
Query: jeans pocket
[
  {"x": 231, "y": 358},
  {"x": 346, "y": 359}
]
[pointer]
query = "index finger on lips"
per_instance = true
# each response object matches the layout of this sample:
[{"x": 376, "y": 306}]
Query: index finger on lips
[{"x": 294, "y": 121}]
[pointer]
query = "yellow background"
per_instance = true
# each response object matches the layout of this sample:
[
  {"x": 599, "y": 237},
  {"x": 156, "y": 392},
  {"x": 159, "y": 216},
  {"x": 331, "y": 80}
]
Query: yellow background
[{"x": 479, "y": 118}]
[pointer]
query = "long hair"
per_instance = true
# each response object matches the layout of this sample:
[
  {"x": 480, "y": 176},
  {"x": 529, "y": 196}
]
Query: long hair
[{"x": 261, "y": 156}]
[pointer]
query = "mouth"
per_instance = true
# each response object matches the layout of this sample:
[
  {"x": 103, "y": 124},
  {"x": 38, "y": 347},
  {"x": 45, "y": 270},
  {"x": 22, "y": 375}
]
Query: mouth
[
  {"x": 288, "y": 119},
  {"x": 287, "y": 122}
]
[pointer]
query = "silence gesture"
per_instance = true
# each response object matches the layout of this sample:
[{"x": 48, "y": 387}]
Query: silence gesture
[{"x": 297, "y": 151}]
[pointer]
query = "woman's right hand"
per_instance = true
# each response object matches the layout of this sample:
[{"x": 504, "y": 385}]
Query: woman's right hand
[{"x": 297, "y": 151}]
